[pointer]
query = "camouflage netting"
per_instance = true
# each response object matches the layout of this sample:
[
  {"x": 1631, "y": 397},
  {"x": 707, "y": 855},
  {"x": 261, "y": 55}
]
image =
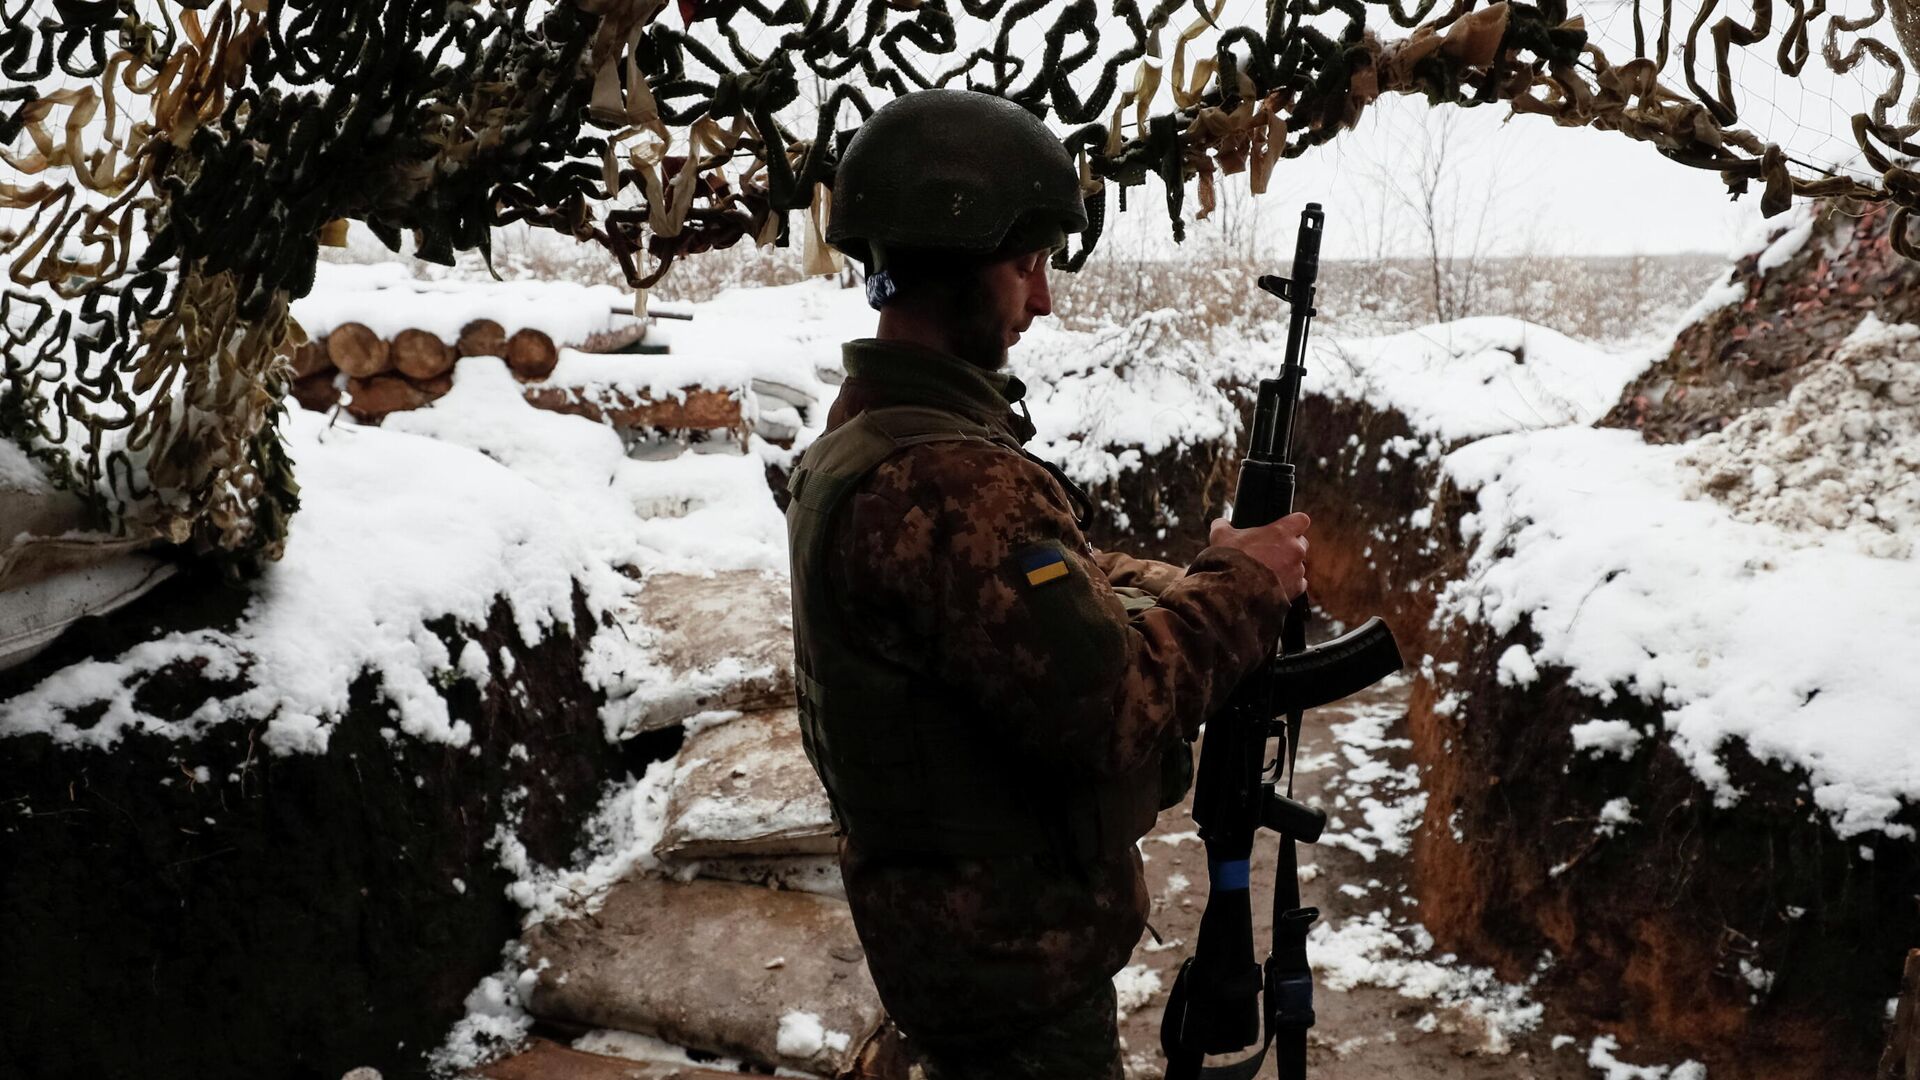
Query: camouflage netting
[{"x": 183, "y": 161}]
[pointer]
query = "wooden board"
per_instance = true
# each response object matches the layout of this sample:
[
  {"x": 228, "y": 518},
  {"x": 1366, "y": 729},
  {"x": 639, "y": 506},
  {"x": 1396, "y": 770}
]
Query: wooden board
[{"x": 712, "y": 966}]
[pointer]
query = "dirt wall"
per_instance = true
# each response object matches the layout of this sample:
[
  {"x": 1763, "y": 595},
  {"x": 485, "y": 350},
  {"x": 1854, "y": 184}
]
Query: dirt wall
[
  {"x": 1747, "y": 936},
  {"x": 286, "y": 917}
]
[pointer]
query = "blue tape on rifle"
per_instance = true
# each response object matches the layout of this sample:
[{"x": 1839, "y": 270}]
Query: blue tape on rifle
[{"x": 1229, "y": 875}]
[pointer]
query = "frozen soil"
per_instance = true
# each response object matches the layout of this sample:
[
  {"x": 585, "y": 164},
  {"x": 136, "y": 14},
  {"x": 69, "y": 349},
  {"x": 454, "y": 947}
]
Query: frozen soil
[{"x": 1388, "y": 1004}]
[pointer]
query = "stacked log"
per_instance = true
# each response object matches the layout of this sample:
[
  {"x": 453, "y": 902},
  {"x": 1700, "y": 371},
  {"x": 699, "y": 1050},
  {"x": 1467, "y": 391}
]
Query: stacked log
[{"x": 381, "y": 376}]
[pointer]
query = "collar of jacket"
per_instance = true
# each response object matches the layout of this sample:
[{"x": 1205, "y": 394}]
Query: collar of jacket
[{"x": 881, "y": 373}]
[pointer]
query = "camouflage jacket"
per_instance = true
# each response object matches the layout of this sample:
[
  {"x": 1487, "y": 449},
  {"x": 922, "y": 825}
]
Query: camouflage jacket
[{"x": 918, "y": 558}]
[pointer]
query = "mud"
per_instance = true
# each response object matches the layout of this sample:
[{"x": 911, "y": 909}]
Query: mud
[{"x": 285, "y": 917}]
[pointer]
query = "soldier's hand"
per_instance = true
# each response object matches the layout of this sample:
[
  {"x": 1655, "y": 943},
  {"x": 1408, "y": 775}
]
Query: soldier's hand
[{"x": 1280, "y": 547}]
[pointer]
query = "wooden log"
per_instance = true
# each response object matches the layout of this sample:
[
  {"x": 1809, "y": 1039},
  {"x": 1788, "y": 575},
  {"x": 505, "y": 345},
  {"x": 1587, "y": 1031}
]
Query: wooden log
[
  {"x": 358, "y": 351},
  {"x": 614, "y": 340},
  {"x": 1901, "y": 1061},
  {"x": 317, "y": 393},
  {"x": 382, "y": 394},
  {"x": 434, "y": 388},
  {"x": 699, "y": 409},
  {"x": 418, "y": 354},
  {"x": 482, "y": 337},
  {"x": 311, "y": 359},
  {"x": 531, "y": 354}
]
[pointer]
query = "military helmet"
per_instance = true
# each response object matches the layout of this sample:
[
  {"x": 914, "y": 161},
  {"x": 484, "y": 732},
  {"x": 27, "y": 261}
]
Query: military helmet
[{"x": 953, "y": 170}]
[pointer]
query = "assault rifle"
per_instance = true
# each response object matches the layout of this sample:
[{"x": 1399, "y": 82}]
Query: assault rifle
[{"x": 1215, "y": 1004}]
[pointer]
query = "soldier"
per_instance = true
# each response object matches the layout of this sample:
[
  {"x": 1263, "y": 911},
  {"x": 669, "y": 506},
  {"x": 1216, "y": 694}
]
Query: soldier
[{"x": 996, "y": 710}]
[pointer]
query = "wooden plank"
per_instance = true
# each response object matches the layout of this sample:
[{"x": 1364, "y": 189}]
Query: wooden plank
[{"x": 1901, "y": 1061}]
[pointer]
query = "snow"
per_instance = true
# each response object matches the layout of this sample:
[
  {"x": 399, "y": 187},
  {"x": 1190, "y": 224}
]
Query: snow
[
  {"x": 1134, "y": 987},
  {"x": 802, "y": 1035},
  {"x": 1605, "y": 536},
  {"x": 1601, "y": 737},
  {"x": 1371, "y": 951},
  {"x": 1475, "y": 377},
  {"x": 1515, "y": 667},
  {"x": 1103, "y": 401},
  {"x": 1614, "y": 813},
  {"x": 441, "y": 512},
  {"x": 1600, "y": 1057},
  {"x": 387, "y": 299},
  {"x": 618, "y": 841},
  {"x": 1389, "y": 801},
  {"x": 18, "y": 472},
  {"x": 1841, "y": 455}
]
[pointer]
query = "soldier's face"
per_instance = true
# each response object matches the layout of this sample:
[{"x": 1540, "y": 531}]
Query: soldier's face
[{"x": 1016, "y": 293}]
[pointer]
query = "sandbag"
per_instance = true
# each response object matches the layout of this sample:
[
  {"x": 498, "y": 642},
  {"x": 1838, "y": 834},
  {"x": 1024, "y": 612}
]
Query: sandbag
[
  {"x": 770, "y": 977},
  {"x": 717, "y": 643},
  {"x": 744, "y": 787}
]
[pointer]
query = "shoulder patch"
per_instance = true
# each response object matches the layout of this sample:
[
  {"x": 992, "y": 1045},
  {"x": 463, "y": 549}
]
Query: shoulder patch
[{"x": 1042, "y": 563}]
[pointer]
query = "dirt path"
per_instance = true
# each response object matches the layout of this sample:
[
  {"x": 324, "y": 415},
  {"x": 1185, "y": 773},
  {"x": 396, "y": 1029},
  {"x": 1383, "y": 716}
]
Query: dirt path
[{"x": 1387, "y": 1006}]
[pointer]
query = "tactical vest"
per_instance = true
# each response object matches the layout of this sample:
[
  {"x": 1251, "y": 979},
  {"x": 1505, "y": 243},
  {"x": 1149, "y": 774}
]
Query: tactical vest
[{"x": 910, "y": 764}]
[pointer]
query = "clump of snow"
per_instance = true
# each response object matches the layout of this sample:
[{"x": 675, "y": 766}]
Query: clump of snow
[
  {"x": 1633, "y": 585},
  {"x": 1372, "y": 952},
  {"x": 620, "y": 837},
  {"x": 1601, "y": 737},
  {"x": 1515, "y": 667},
  {"x": 496, "y": 1020},
  {"x": 1134, "y": 987},
  {"x": 1840, "y": 454},
  {"x": 636, "y": 1047},
  {"x": 1600, "y": 1056},
  {"x": 1389, "y": 800},
  {"x": 802, "y": 1035},
  {"x": 1474, "y": 377},
  {"x": 1615, "y": 813}
]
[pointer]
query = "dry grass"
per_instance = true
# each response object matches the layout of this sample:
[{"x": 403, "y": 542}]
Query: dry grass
[{"x": 1210, "y": 286}]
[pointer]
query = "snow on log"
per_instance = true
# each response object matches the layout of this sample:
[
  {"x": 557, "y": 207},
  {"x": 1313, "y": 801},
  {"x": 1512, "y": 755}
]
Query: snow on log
[
  {"x": 748, "y": 790},
  {"x": 388, "y": 298},
  {"x": 774, "y": 978},
  {"x": 317, "y": 393},
  {"x": 371, "y": 399},
  {"x": 357, "y": 350},
  {"x": 418, "y": 354},
  {"x": 531, "y": 354},
  {"x": 723, "y": 642},
  {"x": 482, "y": 337}
]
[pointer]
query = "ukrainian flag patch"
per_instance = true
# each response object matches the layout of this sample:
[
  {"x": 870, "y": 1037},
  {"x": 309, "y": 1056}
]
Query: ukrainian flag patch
[{"x": 1043, "y": 564}]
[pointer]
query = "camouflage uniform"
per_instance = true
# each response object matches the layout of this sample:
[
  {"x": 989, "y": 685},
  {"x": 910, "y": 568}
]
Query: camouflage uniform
[{"x": 970, "y": 954}]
